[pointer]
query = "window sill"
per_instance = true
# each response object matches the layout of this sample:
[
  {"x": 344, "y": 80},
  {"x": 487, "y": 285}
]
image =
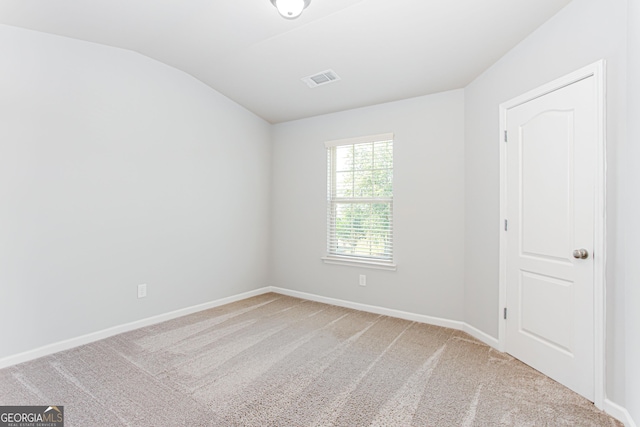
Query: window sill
[{"x": 378, "y": 265}]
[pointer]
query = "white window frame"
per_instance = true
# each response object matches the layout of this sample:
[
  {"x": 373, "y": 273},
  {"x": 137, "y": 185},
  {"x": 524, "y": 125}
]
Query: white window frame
[{"x": 353, "y": 260}]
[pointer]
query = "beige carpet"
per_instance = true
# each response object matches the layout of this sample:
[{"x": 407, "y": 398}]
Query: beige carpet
[{"x": 273, "y": 360}]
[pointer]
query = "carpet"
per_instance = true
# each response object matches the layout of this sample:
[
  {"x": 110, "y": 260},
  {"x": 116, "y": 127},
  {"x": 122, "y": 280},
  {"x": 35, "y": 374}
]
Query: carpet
[{"x": 274, "y": 360}]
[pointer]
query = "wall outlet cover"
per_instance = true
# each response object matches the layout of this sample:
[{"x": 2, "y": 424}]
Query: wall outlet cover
[{"x": 142, "y": 291}]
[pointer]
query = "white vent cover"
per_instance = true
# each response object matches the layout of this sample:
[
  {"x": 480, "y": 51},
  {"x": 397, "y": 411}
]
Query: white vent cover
[{"x": 322, "y": 78}]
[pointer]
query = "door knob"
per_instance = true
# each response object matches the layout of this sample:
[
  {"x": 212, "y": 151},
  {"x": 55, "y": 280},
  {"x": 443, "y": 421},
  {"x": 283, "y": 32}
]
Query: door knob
[{"x": 581, "y": 254}]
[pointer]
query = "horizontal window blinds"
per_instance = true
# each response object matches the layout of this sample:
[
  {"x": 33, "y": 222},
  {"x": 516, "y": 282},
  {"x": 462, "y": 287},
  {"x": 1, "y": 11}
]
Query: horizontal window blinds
[{"x": 360, "y": 198}]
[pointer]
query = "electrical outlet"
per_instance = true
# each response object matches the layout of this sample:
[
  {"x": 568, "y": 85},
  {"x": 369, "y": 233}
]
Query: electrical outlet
[
  {"x": 363, "y": 280},
  {"x": 142, "y": 291}
]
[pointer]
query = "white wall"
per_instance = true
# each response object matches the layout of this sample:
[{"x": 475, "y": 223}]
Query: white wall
[
  {"x": 582, "y": 33},
  {"x": 428, "y": 206},
  {"x": 632, "y": 215},
  {"x": 117, "y": 170}
]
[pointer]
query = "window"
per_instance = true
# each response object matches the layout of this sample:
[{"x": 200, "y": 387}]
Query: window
[{"x": 360, "y": 201}]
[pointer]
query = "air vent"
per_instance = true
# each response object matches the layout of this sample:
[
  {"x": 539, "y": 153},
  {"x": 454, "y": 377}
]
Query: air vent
[{"x": 322, "y": 78}]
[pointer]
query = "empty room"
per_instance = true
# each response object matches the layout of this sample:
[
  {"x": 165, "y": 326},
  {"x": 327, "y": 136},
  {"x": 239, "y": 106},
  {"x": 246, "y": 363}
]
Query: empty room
[{"x": 319, "y": 213}]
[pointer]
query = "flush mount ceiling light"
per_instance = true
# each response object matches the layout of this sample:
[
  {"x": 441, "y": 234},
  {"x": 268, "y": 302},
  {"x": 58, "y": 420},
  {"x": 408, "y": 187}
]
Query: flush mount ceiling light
[{"x": 290, "y": 9}]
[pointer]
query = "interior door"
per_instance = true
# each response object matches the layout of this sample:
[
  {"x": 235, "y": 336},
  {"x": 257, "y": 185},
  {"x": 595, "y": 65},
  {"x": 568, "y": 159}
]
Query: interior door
[{"x": 550, "y": 209}]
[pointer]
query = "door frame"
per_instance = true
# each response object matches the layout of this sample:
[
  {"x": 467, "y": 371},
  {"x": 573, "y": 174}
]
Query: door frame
[{"x": 597, "y": 71}]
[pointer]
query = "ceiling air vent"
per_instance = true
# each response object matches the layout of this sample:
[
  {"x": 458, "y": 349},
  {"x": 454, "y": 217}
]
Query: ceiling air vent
[{"x": 322, "y": 78}]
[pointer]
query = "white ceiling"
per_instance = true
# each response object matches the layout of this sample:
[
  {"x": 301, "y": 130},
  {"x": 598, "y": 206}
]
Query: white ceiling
[{"x": 383, "y": 50}]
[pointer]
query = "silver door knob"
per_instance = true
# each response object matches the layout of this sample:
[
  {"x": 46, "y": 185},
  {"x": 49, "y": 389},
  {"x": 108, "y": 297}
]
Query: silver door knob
[{"x": 581, "y": 254}]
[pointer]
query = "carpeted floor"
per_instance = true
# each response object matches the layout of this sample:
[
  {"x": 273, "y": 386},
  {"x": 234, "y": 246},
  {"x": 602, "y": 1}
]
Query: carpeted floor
[{"x": 274, "y": 360}]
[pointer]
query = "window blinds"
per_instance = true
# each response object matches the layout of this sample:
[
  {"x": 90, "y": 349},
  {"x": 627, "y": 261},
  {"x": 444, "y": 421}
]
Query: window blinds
[{"x": 360, "y": 198}]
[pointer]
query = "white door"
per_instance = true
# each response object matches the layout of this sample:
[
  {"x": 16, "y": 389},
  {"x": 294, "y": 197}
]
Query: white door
[{"x": 551, "y": 153}]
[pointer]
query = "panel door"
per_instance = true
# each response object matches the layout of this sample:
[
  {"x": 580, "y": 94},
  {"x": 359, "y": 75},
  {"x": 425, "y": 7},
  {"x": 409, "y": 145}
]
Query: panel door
[{"x": 551, "y": 154}]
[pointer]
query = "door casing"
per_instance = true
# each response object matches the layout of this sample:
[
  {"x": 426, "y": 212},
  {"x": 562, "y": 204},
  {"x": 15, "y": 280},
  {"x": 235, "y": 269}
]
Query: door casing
[{"x": 597, "y": 70}]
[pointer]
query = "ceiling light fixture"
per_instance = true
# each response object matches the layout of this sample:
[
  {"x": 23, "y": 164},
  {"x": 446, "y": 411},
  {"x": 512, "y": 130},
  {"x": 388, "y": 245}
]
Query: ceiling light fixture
[{"x": 290, "y": 9}]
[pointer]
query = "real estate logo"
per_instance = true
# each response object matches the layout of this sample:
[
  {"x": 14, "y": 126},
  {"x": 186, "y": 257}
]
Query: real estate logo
[{"x": 31, "y": 416}]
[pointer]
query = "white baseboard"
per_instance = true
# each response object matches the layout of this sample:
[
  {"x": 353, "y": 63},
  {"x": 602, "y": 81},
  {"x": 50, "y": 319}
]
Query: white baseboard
[
  {"x": 109, "y": 332},
  {"x": 479, "y": 335},
  {"x": 421, "y": 318},
  {"x": 610, "y": 407},
  {"x": 618, "y": 412},
  {"x": 372, "y": 309}
]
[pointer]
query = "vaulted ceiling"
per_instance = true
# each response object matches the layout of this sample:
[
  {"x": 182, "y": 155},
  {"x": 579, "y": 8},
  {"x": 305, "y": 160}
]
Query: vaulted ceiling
[{"x": 382, "y": 50}]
